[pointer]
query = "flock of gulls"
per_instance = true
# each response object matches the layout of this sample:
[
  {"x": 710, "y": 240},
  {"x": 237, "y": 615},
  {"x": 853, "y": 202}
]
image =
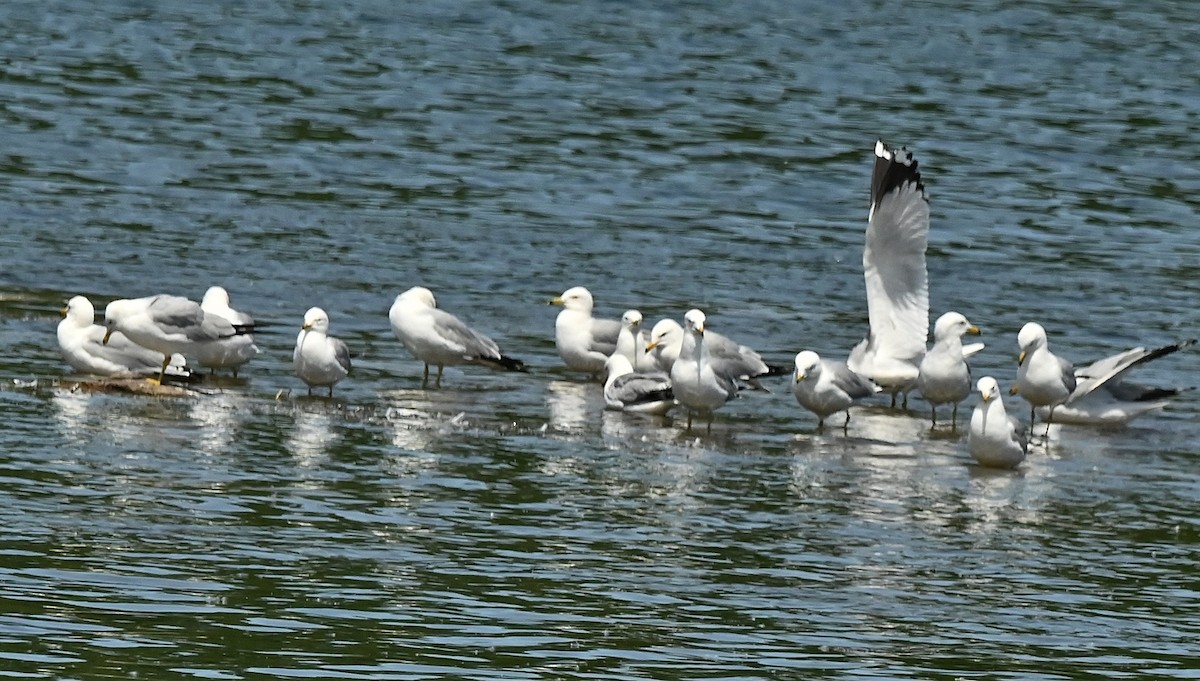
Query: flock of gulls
[{"x": 678, "y": 366}]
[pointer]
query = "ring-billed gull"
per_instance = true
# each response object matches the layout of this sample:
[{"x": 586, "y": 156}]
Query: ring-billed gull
[
  {"x": 1103, "y": 397},
  {"x": 944, "y": 375},
  {"x": 699, "y": 385},
  {"x": 227, "y": 353},
  {"x": 631, "y": 342},
  {"x": 81, "y": 342},
  {"x": 437, "y": 337},
  {"x": 728, "y": 356},
  {"x": 1043, "y": 378},
  {"x": 826, "y": 387},
  {"x": 629, "y": 390},
  {"x": 319, "y": 359},
  {"x": 895, "y": 274},
  {"x": 584, "y": 342},
  {"x": 995, "y": 438},
  {"x": 167, "y": 324}
]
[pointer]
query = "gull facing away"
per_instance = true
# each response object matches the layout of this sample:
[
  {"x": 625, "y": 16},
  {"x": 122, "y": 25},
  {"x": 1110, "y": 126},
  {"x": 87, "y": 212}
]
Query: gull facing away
[
  {"x": 584, "y": 342},
  {"x": 1102, "y": 397},
  {"x": 944, "y": 375},
  {"x": 631, "y": 342},
  {"x": 81, "y": 342},
  {"x": 826, "y": 387},
  {"x": 228, "y": 353},
  {"x": 320, "y": 360},
  {"x": 895, "y": 274},
  {"x": 995, "y": 439},
  {"x": 727, "y": 355},
  {"x": 1043, "y": 378},
  {"x": 437, "y": 337},
  {"x": 699, "y": 386},
  {"x": 168, "y": 325},
  {"x": 643, "y": 393}
]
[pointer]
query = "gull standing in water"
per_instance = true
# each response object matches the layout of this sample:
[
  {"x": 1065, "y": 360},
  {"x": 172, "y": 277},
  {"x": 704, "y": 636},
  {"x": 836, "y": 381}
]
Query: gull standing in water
[
  {"x": 826, "y": 387},
  {"x": 168, "y": 325},
  {"x": 699, "y": 385},
  {"x": 228, "y": 353},
  {"x": 995, "y": 438},
  {"x": 944, "y": 375},
  {"x": 727, "y": 356},
  {"x": 895, "y": 274},
  {"x": 628, "y": 390},
  {"x": 584, "y": 342},
  {"x": 1043, "y": 378},
  {"x": 437, "y": 337},
  {"x": 319, "y": 359},
  {"x": 81, "y": 342}
]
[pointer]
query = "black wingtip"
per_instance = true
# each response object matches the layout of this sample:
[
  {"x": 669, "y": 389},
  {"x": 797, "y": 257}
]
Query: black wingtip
[
  {"x": 779, "y": 370},
  {"x": 894, "y": 168},
  {"x": 512, "y": 364},
  {"x": 243, "y": 329}
]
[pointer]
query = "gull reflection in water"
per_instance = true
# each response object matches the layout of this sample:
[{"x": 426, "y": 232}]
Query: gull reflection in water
[
  {"x": 312, "y": 434},
  {"x": 574, "y": 407},
  {"x": 217, "y": 417}
]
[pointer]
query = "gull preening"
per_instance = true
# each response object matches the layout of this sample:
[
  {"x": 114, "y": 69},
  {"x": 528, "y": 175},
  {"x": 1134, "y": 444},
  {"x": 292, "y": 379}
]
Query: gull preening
[
  {"x": 995, "y": 438},
  {"x": 438, "y": 338},
  {"x": 82, "y": 344},
  {"x": 699, "y": 385},
  {"x": 944, "y": 375},
  {"x": 168, "y": 325},
  {"x": 633, "y": 391},
  {"x": 320, "y": 360},
  {"x": 1043, "y": 378},
  {"x": 227, "y": 353},
  {"x": 827, "y": 387},
  {"x": 583, "y": 342},
  {"x": 895, "y": 274}
]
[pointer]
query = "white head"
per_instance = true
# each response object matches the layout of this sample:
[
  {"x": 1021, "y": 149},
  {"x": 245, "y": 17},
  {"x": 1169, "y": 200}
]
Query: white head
[
  {"x": 953, "y": 324},
  {"x": 988, "y": 388},
  {"x": 663, "y": 333},
  {"x": 316, "y": 320},
  {"x": 80, "y": 312},
  {"x": 808, "y": 365},
  {"x": 694, "y": 321},
  {"x": 1031, "y": 336},
  {"x": 418, "y": 294},
  {"x": 631, "y": 319},
  {"x": 615, "y": 366},
  {"x": 576, "y": 298},
  {"x": 215, "y": 296}
]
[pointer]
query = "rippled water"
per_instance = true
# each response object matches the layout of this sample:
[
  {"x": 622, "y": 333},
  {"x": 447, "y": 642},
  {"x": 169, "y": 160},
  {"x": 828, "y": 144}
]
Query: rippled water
[{"x": 666, "y": 156}]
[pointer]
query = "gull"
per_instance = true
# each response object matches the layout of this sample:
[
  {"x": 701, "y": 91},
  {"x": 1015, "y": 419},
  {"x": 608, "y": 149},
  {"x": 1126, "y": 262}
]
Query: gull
[
  {"x": 627, "y": 390},
  {"x": 437, "y": 337},
  {"x": 699, "y": 385},
  {"x": 895, "y": 274},
  {"x": 1043, "y": 378},
  {"x": 81, "y": 342},
  {"x": 826, "y": 387},
  {"x": 631, "y": 342},
  {"x": 168, "y": 325},
  {"x": 944, "y": 375},
  {"x": 228, "y": 353},
  {"x": 995, "y": 438},
  {"x": 1101, "y": 395},
  {"x": 584, "y": 342},
  {"x": 319, "y": 359},
  {"x": 728, "y": 356}
]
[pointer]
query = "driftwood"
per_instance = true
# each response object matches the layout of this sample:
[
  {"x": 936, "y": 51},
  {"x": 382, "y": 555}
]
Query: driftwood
[{"x": 132, "y": 386}]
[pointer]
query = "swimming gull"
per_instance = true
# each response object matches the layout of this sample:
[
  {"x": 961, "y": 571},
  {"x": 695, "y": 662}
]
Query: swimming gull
[
  {"x": 1043, "y": 378},
  {"x": 437, "y": 337},
  {"x": 167, "y": 324},
  {"x": 1103, "y": 397},
  {"x": 944, "y": 375},
  {"x": 995, "y": 439},
  {"x": 81, "y": 342},
  {"x": 699, "y": 385},
  {"x": 633, "y": 391},
  {"x": 227, "y": 353},
  {"x": 896, "y": 279},
  {"x": 584, "y": 342},
  {"x": 631, "y": 342},
  {"x": 319, "y": 359},
  {"x": 729, "y": 357},
  {"x": 826, "y": 387}
]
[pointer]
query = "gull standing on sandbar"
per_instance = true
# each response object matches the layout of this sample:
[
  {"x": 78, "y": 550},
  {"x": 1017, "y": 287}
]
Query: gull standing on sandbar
[
  {"x": 825, "y": 387},
  {"x": 583, "y": 342},
  {"x": 1043, "y": 378},
  {"x": 944, "y": 375},
  {"x": 699, "y": 386},
  {"x": 319, "y": 359},
  {"x": 228, "y": 353},
  {"x": 168, "y": 324}
]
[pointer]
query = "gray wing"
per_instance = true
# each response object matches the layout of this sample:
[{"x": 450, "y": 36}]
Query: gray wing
[
  {"x": 341, "y": 353},
  {"x": 732, "y": 359},
  {"x": 854, "y": 385},
  {"x": 1068, "y": 375},
  {"x": 634, "y": 388},
  {"x": 604, "y": 335},
  {"x": 473, "y": 343},
  {"x": 1110, "y": 372},
  {"x": 180, "y": 316},
  {"x": 1019, "y": 433}
]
